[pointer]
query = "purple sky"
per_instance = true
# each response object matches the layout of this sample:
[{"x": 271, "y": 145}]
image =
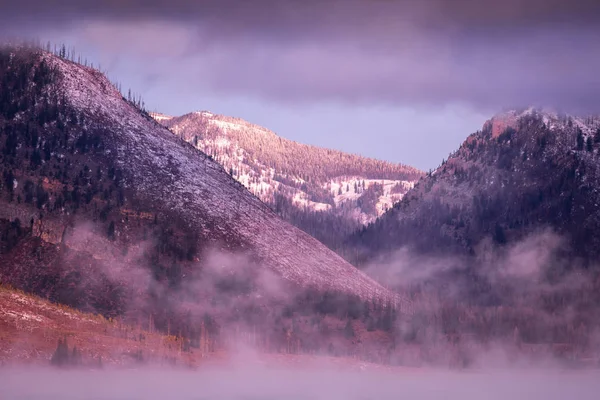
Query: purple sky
[{"x": 401, "y": 80}]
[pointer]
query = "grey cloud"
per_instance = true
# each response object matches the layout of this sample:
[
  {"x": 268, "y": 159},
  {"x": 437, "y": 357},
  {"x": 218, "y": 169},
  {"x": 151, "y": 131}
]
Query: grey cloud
[
  {"x": 543, "y": 68},
  {"x": 262, "y": 14},
  {"x": 485, "y": 54}
]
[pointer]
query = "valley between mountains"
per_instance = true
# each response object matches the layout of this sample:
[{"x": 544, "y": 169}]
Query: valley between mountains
[{"x": 326, "y": 193}]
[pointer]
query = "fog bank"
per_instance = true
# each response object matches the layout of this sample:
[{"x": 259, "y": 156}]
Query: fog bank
[{"x": 320, "y": 383}]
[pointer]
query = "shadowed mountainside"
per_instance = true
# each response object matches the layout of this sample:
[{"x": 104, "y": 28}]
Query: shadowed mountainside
[{"x": 523, "y": 172}]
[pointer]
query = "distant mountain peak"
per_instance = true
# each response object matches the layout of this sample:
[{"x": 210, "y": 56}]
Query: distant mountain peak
[
  {"x": 551, "y": 118},
  {"x": 510, "y": 119},
  {"x": 328, "y": 193}
]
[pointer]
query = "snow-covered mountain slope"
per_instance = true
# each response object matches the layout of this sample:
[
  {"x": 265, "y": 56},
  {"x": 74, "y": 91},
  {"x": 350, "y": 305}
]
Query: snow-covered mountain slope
[
  {"x": 159, "y": 166},
  {"x": 312, "y": 181},
  {"x": 98, "y": 147}
]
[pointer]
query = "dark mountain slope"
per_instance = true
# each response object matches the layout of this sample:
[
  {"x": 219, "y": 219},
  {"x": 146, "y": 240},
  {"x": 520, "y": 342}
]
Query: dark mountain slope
[
  {"x": 522, "y": 173},
  {"x": 105, "y": 210}
]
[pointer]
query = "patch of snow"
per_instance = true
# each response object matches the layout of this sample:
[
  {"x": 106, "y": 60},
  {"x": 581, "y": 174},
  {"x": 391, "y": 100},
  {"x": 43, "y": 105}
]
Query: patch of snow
[
  {"x": 300, "y": 198},
  {"x": 160, "y": 117},
  {"x": 21, "y": 315}
]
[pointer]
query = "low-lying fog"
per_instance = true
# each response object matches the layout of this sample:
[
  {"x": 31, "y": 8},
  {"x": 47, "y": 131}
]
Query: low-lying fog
[{"x": 250, "y": 383}]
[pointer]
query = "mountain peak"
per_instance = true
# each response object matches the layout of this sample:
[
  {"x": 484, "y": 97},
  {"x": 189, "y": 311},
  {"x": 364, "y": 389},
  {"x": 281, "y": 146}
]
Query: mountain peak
[
  {"x": 510, "y": 119},
  {"x": 307, "y": 185}
]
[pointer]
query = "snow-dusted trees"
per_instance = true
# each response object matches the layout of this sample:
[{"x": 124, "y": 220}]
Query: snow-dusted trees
[{"x": 312, "y": 164}]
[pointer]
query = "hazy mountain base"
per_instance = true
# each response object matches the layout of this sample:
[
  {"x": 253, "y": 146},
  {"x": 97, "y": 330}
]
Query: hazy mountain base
[
  {"x": 525, "y": 296},
  {"x": 36, "y": 332},
  {"x": 229, "y": 299},
  {"x": 220, "y": 309}
]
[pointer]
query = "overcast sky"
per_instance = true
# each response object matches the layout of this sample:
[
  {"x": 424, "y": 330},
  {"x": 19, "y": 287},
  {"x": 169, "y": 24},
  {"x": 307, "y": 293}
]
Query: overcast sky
[{"x": 402, "y": 80}]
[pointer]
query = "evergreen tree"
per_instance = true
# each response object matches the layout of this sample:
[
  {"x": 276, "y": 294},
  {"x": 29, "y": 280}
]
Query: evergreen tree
[
  {"x": 9, "y": 180},
  {"x": 61, "y": 354},
  {"x": 580, "y": 140},
  {"x": 349, "y": 330},
  {"x": 75, "y": 356},
  {"x": 111, "y": 230}
]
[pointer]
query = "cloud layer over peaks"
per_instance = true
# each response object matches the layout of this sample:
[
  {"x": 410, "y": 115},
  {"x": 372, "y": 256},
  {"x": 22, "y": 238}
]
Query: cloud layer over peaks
[{"x": 485, "y": 54}]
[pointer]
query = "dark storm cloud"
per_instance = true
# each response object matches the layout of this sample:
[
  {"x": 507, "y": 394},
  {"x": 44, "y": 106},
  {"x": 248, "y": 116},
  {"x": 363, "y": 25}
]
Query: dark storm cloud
[
  {"x": 482, "y": 53},
  {"x": 308, "y": 12}
]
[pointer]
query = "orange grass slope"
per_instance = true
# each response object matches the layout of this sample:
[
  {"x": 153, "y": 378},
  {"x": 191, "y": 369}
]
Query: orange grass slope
[{"x": 31, "y": 328}]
